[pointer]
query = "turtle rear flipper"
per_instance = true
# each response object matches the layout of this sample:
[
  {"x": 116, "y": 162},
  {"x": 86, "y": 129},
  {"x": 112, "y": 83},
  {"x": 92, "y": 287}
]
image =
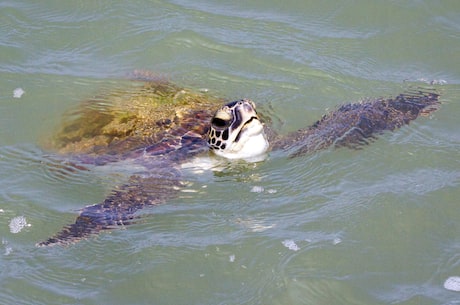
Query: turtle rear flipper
[
  {"x": 357, "y": 124},
  {"x": 118, "y": 209}
]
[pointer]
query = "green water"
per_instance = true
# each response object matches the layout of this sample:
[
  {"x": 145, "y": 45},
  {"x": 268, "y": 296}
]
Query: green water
[{"x": 375, "y": 226}]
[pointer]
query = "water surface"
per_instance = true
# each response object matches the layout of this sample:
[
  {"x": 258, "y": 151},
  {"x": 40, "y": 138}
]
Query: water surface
[{"x": 374, "y": 226}]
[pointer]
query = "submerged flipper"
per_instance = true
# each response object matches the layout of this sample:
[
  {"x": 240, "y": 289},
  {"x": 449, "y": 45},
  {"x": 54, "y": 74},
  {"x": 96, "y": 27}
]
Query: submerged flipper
[
  {"x": 118, "y": 208},
  {"x": 353, "y": 125}
]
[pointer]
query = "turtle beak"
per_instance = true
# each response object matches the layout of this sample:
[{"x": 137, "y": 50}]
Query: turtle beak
[{"x": 246, "y": 126}]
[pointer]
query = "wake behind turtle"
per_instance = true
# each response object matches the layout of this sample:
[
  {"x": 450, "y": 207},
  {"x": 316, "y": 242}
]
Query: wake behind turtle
[{"x": 160, "y": 126}]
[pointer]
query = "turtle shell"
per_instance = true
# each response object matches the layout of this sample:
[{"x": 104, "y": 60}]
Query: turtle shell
[{"x": 154, "y": 114}]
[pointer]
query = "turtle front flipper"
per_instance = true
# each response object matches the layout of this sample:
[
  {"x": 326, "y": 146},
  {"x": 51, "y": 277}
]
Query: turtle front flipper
[
  {"x": 354, "y": 125},
  {"x": 118, "y": 208}
]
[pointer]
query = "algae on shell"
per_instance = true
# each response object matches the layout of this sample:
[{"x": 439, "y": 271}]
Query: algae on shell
[{"x": 125, "y": 119}]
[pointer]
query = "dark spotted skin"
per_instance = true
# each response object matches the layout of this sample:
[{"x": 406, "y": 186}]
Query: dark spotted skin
[
  {"x": 354, "y": 125},
  {"x": 119, "y": 208},
  {"x": 351, "y": 125}
]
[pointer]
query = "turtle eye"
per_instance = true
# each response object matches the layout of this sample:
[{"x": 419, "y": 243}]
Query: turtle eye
[{"x": 219, "y": 122}]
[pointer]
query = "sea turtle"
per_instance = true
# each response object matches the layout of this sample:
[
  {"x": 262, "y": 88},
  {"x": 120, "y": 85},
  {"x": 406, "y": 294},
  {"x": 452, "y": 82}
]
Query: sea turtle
[{"x": 161, "y": 126}]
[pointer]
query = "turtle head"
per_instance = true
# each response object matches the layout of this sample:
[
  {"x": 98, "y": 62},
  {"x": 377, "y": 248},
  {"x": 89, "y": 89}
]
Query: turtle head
[{"x": 236, "y": 131}]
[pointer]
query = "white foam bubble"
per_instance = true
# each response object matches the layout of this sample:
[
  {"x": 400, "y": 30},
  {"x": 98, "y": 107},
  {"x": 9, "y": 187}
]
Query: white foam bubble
[
  {"x": 261, "y": 189},
  {"x": 433, "y": 82},
  {"x": 452, "y": 283},
  {"x": 290, "y": 244},
  {"x": 18, "y": 92},
  {"x": 257, "y": 189},
  {"x": 336, "y": 241},
  {"x": 17, "y": 224}
]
